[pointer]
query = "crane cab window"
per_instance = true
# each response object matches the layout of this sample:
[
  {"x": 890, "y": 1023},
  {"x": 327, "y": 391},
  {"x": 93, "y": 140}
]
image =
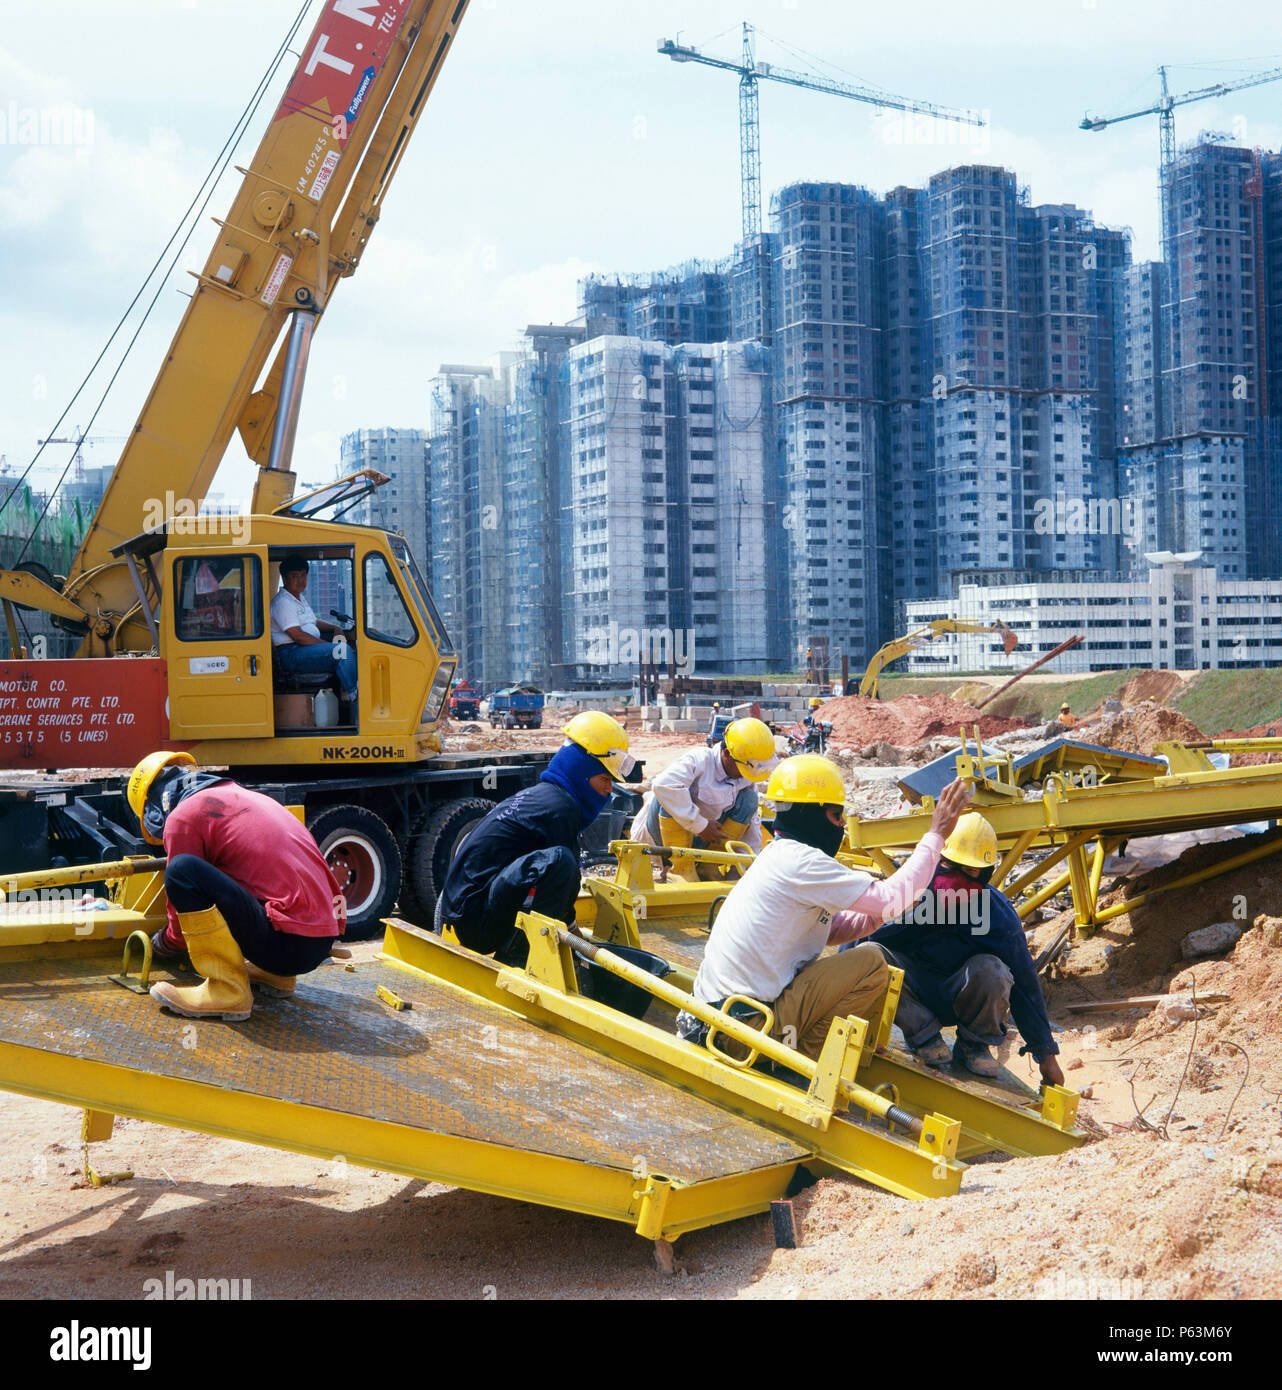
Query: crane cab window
[
  {"x": 387, "y": 619},
  {"x": 219, "y": 597}
]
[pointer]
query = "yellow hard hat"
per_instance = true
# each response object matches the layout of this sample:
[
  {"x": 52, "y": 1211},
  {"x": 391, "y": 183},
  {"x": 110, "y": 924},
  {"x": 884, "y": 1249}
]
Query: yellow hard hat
[
  {"x": 752, "y": 746},
  {"x": 973, "y": 842},
  {"x": 141, "y": 778},
  {"x": 815, "y": 702},
  {"x": 1064, "y": 706},
  {"x": 807, "y": 780},
  {"x": 597, "y": 733}
]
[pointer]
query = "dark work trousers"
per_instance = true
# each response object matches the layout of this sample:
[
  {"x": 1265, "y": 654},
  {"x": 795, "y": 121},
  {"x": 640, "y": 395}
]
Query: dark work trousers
[
  {"x": 193, "y": 885},
  {"x": 553, "y": 874},
  {"x": 980, "y": 994}
]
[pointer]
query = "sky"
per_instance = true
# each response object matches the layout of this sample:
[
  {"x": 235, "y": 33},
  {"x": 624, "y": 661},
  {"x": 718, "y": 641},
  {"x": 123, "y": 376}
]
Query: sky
[{"x": 557, "y": 142}]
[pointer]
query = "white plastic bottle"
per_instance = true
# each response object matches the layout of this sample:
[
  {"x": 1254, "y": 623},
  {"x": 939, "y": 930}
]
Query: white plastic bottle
[{"x": 325, "y": 709}]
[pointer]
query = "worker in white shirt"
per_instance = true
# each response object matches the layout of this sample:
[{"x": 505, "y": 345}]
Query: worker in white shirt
[
  {"x": 709, "y": 795},
  {"x": 301, "y": 643},
  {"x": 767, "y": 941}
]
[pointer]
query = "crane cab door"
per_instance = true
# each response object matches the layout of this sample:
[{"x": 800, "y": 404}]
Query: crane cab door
[{"x": 217, "y": 642}]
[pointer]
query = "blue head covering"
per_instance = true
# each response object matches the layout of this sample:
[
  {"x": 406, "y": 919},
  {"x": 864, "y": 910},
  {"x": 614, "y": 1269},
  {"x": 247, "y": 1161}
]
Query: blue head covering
[{"x": 570, "y": 770}]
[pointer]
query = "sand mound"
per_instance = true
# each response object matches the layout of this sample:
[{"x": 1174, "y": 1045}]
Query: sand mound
[
  {"x": 1137, "y": 729},
  {"x": 857, "y": 721},
  {"x": 1157, "y": 686}
]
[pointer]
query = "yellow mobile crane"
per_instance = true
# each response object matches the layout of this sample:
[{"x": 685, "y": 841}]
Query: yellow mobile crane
[
  {"x": 169, "y": 607},
  {"x": 901, "y": 646}
]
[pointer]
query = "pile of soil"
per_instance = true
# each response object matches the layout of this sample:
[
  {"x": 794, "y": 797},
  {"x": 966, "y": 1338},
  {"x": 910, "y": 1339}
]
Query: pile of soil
[
  {"x": 1140, "y": 951},
  {"x": 857, "y": 721},
  {"x": 1157, "y": 686},
  {"x": 1137, "y": 729}
]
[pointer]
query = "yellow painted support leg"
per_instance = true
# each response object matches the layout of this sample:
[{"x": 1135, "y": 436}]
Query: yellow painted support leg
[
  {"x": 96, "y": 1126},
  {"x": 1083, "y": 902},
  {"x": 1012, "y": 857},
  {"x": 652, "y": 1198}
]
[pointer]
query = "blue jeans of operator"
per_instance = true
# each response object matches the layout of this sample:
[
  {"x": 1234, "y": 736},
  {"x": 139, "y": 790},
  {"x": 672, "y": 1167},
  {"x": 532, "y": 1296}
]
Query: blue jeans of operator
[{"x": 319, "y": 659}]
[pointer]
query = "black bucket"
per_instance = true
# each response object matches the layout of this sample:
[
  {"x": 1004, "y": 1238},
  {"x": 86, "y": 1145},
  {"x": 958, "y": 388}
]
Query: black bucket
[{"x": 619, "y": 994}]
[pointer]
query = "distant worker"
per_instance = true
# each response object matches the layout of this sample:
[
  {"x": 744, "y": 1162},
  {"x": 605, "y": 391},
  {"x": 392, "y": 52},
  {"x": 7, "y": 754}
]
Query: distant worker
[
  {"x": 1066, "y": 716},
  {"x": 708, "y": 796},
  {"x": 299, "y": 645},
  {"x": 530, "y": 842},
  {"x": 251, "y": 900},
  {"x": 767, "y": 939},
  {"x": 965, "y": 962}
]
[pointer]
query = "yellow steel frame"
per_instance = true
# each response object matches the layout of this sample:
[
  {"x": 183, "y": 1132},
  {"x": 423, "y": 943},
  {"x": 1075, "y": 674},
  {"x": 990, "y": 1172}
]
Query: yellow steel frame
[
  {"x": 1067, "y": 819},
  {"x": 655, "y": 1206}
]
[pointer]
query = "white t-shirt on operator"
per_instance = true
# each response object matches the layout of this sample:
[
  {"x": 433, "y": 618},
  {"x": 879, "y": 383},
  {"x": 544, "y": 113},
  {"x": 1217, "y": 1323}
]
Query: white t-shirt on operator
[
  {"x": 287, "y": 612},
  {"x": 776, "y": 921}
]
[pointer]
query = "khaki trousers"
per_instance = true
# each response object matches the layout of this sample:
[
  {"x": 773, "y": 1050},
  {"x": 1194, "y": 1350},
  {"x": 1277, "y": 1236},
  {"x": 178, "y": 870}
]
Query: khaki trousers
[{"x": 850, "y": 982}]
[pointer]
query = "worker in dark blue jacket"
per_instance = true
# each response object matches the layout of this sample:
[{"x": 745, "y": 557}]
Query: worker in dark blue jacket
[
  {"x": 530, "y": 842},
  {"x": 965, "y": 960}
]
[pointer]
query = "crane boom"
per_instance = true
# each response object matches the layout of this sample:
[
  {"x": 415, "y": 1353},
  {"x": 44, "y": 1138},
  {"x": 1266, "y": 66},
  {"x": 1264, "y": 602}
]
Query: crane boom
[{"x": 305, "y": 209}]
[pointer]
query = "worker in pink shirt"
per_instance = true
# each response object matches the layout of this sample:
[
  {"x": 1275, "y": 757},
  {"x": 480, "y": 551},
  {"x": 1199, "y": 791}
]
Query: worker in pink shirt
[{"x": 251, "y": 900}]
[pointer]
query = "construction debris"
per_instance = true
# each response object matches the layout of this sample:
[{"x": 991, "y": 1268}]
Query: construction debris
[{"x": 1210, "y": 941}]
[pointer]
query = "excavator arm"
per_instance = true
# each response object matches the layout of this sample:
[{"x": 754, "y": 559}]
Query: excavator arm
[
  {"x": 307, "y": 205},
  {"x": 901, "y": 646}
]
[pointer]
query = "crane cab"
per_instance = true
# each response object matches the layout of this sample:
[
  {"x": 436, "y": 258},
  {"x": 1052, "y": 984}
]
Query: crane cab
[{"x": 206, "y": 586}]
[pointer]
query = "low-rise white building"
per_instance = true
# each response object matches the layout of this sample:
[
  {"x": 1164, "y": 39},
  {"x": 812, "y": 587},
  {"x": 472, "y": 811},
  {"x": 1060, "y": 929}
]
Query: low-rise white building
[{"x": 1183, "y": 616}]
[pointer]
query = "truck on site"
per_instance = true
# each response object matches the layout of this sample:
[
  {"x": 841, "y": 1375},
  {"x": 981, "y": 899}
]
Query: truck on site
[
  {"x": 465, "y": 701},
  {"x": 167, "y": 608},
  {"x": 516, "y": 707}
]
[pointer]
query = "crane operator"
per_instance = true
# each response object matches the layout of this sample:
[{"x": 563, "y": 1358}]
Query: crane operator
[{"x": 302, "y": 644}]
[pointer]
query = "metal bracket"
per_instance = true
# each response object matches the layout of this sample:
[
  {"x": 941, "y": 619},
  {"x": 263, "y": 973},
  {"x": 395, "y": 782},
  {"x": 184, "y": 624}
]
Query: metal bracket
[
  {"x": 651, "y": 1200},
  {"x": 838, "y": 1061},
  {"x": 1059, "y": 1106},
  {"x": 939, "y": 1135},
  {"x": 139, "y": 985}
]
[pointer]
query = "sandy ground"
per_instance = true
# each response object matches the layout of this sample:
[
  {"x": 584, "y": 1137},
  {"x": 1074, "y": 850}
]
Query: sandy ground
[{"x": 1178, "y": 1194}]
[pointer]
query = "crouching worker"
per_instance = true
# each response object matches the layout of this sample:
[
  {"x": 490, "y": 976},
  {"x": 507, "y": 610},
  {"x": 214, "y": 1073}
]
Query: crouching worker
[
  {"x": 965, "y": 961},
  {"x": 709, "y": 795},
  {"x": 766, "y": 941},
  {"x": 251, "y": 900},
  {"x": 530, "y": 843}
]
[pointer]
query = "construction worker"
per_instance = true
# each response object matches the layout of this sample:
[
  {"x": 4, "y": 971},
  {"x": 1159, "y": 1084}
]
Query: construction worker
[
  {"x": 766, "y": 942},
  {"x": 301, "y": 643},
  {"x": 709, "y": 795},
  {"x": 530, "y": 843},
  {"x": 965, "y": 961},
  {"x": 1066, "y": 716},
  {"x": 251, "y": 900}
]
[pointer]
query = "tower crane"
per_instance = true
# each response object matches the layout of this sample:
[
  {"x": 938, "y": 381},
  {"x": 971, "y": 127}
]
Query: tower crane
[
  {"x": 751, "y": 72},
  {"x": 80, "y": 439},
  {"x": 1164, "y": 109}
]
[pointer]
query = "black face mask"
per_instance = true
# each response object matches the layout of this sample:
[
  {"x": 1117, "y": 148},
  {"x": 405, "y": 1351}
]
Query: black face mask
[
  {"x": 171, "y": 786},
  {"x": 811, "y": 826}
]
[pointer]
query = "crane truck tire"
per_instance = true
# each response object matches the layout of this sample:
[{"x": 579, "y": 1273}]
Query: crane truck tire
[
  {"x": 361, "y": 851},
  {"x": 432, "y": 850}
]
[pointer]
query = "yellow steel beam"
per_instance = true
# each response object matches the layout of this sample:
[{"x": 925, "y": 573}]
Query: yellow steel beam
[
  {"x": 525, "y": 1175},
  {"x": 880, "y": 1158}
]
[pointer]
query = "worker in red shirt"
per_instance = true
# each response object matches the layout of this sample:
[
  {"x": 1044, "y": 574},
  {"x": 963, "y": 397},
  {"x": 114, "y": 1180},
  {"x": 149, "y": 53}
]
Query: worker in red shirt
[{"x": 251, "y": 900}]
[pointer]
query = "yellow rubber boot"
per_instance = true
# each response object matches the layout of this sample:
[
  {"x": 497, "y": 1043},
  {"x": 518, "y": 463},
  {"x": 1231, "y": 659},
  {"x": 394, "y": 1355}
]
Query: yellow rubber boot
[
  {"x": 279, "y": 986},
  {"x": 676, "y": 836},
  {"x": 225, "y": 992}
]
